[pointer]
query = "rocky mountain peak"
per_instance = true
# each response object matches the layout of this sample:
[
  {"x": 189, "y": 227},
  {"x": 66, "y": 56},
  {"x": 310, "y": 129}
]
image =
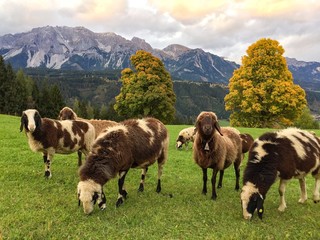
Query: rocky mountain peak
[{"x": 175, "y": 50}]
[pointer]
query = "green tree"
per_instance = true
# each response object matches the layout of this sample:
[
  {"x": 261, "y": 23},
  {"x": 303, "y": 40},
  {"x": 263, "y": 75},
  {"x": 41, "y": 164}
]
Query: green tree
[
  {"x": 50, "y": 101},
  {"x": 3, "y": 83},
  {"x": 261, "y": 91},
  {"x": 147, "y": 90},
  {"x": 90, "y": 111},
  {"x": 306, "y": 120},
  {"x": 13, "y": 91}
]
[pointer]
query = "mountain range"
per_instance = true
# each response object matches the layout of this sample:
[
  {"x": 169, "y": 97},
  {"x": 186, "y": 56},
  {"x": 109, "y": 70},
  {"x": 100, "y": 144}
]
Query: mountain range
[{"x": 78, "y": 48}]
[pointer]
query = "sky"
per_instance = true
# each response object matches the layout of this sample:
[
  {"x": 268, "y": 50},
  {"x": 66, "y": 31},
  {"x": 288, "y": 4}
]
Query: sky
[{"x": 224, "y": 28}]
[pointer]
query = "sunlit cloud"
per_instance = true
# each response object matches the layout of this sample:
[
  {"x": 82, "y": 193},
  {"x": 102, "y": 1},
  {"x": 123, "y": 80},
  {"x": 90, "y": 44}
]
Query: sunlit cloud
[{"x": 221, "y": 27}]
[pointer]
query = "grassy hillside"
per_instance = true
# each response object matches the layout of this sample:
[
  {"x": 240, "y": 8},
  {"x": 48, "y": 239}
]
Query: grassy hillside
[{"x": 32, "y": 207}]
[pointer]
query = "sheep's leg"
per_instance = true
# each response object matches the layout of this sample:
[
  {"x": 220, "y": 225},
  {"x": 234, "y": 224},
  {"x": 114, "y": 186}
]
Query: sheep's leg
[
  {"x": 237, "y": 172},
  {"x": 47, "y": 158},
  {"x": 220, "y": 178},
  {"x": 79, "y": 158},
  {"x": 143, "y": 176},
  {"x": 102, "y": 201},
  {"x": 282, "y": 190},
  {"x": 213, "y": 183},
  {"x": 122, "y": 192},
  {"x": 160, "y": 168},
  {"x": 303, "y": 195},
  {"x": 316, "y": 197},
  {"x": 204, "y": 178}
]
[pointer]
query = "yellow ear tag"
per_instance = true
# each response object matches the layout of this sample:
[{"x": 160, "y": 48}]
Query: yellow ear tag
[{"x": 260, "y": 210}]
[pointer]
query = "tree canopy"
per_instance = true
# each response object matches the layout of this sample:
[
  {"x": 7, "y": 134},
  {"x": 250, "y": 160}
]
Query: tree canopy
[
  {"x": 147, "y": 90},
  {"x": 261, "y": 91},
  {"x": 19, "y": 92}
]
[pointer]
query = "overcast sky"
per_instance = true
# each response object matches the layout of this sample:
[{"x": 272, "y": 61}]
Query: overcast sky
[{"x": 224, "y": 28}]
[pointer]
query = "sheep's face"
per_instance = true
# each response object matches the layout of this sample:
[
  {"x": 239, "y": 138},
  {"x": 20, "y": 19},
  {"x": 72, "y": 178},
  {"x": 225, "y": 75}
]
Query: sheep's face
[
  {"x": 30, "y": 120},
  {"x": 67, "y": 114},
  {"x": 89, "y": 193},
  {"x": 207, "y": 123},
  {"x": 251, "y": 200}
]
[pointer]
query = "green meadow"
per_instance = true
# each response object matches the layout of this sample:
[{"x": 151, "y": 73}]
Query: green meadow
[{"x": 32, "y": 207}]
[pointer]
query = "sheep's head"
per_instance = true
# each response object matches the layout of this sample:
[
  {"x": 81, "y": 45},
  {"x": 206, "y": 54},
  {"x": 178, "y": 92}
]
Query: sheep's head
[
  {"x": 90, "y": 193},
  {"x": 207, "y": 123},
  {"x": 67, "y": 113},
  {"x": 180, "y": 141},
  {"x": 251, "y": 200},
  {"x": 30, "y": 120}
]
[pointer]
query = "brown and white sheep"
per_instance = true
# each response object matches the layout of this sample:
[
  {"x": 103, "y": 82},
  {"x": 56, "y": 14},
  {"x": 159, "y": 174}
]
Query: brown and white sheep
[
  {"x": 134, "y": 143},
  {"x": 53, "y": 136},
  {"x": 185, "y": 136},
  {"x": 247, "y": 141},
  {"x": 216, "y": 148},
  {"x": 289, "y": 153},
  {"x": 67, "y": 113}
]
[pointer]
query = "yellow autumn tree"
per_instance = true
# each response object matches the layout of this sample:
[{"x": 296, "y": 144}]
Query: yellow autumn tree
[
  {"x": 261, "y": 91},
  {"x": 147, "y": 89}
]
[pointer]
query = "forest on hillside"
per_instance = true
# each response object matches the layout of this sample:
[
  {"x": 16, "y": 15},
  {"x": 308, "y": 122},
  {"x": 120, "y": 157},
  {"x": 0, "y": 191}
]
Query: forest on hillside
[{"x": 100, "y": 88}]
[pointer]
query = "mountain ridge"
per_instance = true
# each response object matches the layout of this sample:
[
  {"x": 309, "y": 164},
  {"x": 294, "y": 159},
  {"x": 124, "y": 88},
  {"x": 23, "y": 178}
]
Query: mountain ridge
[{"x": 78, "y": 48}]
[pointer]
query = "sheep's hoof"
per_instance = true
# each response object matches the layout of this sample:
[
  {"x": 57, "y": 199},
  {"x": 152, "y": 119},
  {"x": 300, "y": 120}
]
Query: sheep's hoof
[
  {"x": 158, "y": 189},
  {"x": 219, "y": 185},
  {"x": 214, "y": 198},
  {"x": 204, "y": 192},
  {"x": 141, "y": 188},
  {"x": 102, "y": 207},
  {"x": 47, "y": 174},
  {"x": 119, "y": 202},
  {"x": 281, "y": 208}
]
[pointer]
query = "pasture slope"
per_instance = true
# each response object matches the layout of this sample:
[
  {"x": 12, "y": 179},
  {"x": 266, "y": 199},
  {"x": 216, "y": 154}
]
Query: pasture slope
[{"x": 32, "y": 207}]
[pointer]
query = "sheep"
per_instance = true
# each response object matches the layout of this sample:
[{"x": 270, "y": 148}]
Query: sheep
[
  {"x": 289, "y": 153},
  {"x": 53, "y": 136},
  {"x": 67, "y": 113},
  {"x": 185, "y": 136},
  {"x": 133, "y": 143},
  {"x": 216, "y": 148},
  {"x": 247, "y": 141}
]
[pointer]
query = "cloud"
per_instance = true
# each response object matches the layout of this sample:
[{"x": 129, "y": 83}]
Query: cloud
[{"x": 225, "y": 28}]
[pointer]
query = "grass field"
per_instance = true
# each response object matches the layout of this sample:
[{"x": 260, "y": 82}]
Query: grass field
[{"x": 32, "y": 207}]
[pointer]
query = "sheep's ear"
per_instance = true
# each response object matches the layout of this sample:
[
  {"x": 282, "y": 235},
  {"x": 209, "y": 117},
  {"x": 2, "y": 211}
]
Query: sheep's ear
[
  {"x": 22, "y": 121},
  {"x": 260, "y": 208},
  {"x": 37, "y": 119},
  {"x": 217, "y": 126},
  {"x": 95, "y": 197}
]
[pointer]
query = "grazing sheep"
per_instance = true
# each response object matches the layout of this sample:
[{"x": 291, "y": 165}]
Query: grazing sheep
[
  {"x": 216, "y": 148},
  {"x": 53, "y": 136},
  {"x": 247, "y": 141},
  {"x": 67, "y": 113},
  {"x": 289, "y": 153},
  {"x": 185, "y": 136},
  {"x": 131, "y": 144}
]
